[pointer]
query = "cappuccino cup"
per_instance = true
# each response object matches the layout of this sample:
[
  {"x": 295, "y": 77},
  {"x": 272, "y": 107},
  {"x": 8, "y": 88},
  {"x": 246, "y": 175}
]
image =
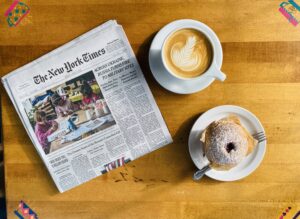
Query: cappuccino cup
[{"x": 189, "y": 52}]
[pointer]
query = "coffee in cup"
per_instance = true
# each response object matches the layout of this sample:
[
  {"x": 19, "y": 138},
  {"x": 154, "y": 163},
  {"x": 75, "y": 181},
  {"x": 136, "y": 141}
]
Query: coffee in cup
[{"x": 187, "y": 53}]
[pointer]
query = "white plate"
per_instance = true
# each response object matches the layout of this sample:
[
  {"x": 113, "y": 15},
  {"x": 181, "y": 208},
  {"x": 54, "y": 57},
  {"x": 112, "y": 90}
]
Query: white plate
[
  {"x": 164, "y": 78},
  {"x": 248, "y": 120}
]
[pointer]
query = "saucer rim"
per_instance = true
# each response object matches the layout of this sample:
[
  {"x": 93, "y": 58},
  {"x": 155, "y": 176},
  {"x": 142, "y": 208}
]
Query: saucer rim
[{"x": 193, "y": 85}]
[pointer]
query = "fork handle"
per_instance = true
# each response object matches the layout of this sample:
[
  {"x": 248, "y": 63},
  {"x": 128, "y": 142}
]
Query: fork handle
[{"x": 200, "y": 173}]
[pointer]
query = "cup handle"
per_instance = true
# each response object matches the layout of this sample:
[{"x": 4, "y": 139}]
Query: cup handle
[{"x": 216, "y": 73}]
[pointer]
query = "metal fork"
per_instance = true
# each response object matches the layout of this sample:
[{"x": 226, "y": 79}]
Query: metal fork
[
  {"x": 260, "y": 136},
  {"x": 200, "y": 173}
]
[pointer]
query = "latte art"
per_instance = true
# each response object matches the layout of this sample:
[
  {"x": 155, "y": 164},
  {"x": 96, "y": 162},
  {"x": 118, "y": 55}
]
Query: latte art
[
  {"x": 185, "y": 58},
  {"x": 187, "y": 53}
]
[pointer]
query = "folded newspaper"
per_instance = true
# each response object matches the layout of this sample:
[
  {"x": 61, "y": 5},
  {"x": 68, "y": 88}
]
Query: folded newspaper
[{"x": 87, "y": 107}]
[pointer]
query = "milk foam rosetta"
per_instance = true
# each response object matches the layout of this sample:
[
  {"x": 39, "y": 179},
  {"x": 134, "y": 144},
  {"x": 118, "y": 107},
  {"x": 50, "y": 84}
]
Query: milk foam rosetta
[
  {"x": 185, "y": 57},
  {"x": 187, "y": 53}
]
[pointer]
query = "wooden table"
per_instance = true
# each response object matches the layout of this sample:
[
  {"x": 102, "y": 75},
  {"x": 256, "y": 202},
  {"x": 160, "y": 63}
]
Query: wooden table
[{"x": 261, "y": 59}]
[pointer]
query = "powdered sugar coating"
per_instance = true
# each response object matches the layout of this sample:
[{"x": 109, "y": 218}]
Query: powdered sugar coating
[{"x": 219, "y": 136}]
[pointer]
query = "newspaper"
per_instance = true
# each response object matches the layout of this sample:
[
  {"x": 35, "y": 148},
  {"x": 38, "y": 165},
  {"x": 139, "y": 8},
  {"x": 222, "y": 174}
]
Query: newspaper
[{"x": 87, "y": 107}]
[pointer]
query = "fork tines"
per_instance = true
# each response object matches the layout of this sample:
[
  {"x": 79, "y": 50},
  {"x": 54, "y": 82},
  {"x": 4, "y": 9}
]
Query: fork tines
[{"x": 260, "y": 136}]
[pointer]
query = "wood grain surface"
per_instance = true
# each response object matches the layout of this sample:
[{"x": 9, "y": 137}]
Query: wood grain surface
[{"x": 261, "y": 60}]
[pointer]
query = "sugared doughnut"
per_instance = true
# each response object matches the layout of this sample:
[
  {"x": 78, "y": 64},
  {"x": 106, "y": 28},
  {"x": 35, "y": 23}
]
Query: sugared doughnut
[{"x": 226, "y": 143}]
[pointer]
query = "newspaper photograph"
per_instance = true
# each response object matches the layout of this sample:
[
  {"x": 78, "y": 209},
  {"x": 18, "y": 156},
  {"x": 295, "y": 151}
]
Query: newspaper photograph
[
  {"x": 68, "y": 112},
  {"x": 86, "y": 106}
]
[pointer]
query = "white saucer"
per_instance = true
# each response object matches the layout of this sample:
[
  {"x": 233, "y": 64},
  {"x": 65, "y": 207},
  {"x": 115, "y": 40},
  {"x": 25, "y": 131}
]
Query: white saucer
[
  {"x": 164, "y": 78},
  {"x": 249, "y": 121}
]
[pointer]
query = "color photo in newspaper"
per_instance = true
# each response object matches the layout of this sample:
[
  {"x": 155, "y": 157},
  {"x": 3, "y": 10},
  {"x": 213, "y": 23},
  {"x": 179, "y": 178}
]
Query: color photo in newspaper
[{"x": 68, "y": 112}]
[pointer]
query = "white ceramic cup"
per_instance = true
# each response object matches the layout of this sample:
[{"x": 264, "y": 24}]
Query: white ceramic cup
[{"x": 213, "y": 70}]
